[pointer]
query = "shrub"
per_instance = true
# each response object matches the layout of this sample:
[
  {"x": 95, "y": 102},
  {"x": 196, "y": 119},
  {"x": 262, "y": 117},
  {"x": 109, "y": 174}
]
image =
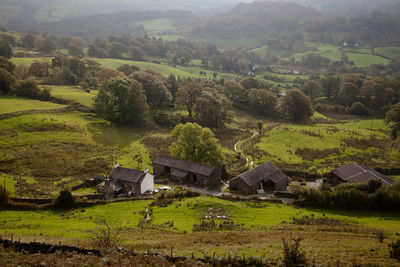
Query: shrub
[
  {"x": 4, "y": 196},
  {"x": 45, "y": 93},
  {"x": 64, "y": 200},
  {"x": 83, "y": 85},
  {"x": 394, "y": 250},
  {"x": 292, "y": 255},
  {"x": 358, "y": 108},
  {"x": 27, "y": 88},
  {"x": 106, "y": 237}
]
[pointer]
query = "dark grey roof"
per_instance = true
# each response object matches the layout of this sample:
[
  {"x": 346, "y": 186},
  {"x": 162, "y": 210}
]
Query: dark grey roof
[
  {"x": 264, "y": 172},
  {"x": 179, "y": 173},
  {"x": 127, "y": 175},
  {"x": 357, "y": 173},
  {"x": 184, "y": 165}
]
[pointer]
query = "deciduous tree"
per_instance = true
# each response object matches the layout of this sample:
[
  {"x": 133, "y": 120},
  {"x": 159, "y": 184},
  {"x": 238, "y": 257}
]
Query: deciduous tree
[
  {"x": 188, "y": 94},
  {"x": 197, "y": 144},
  {"x": 121, "y": 100},
  {"x": 296, "y": 106}
]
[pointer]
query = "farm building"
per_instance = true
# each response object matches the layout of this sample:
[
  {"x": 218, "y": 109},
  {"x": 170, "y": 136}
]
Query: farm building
[
  {"x": 356, "y": 173},
  {"x": 128, "y": 182},
  {"x": 265, "y": 177},
  {"x": 186, "y": 172}
]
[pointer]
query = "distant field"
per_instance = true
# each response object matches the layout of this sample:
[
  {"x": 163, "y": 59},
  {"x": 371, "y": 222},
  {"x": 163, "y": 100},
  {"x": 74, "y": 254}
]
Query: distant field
[
  {"x": 29, "y": 60},
  {"x": 271, "y": 50},
  {"x": 157, "y": 25},
  {"x": 364, "y": 60},
  {"x": 9, "y": 104},
  {"x": 242, "y": 42},
  {"x": 166, "y": 70},
  {"x": 74, "y": 94},
  {"x": 390, "y": 52}
]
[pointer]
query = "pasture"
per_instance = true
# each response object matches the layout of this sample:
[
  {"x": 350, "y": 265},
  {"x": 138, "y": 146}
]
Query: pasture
[
  {"x": 260, "y": 229},
  {"x": 322, "y": 147},
  {"x": 366, "y": 60},
  {"x": 10, "y": 104},
  {"x": 73, "y": 93},
  {"x": 390, "y": 51}
]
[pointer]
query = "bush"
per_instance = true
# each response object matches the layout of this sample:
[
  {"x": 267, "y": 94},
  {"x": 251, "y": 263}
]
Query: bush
[
  {"x": 358, "y": 108},
  {"x": 27, "y": 88},
  {"x": 292, "y": 255},
  {"x": 83, "y": 85},
  {"x": 4, "y": 196},
  {"x": 64, "y": 200},
  {"x": 394, "y": 250},
  {"x": 45, "y": 93}
]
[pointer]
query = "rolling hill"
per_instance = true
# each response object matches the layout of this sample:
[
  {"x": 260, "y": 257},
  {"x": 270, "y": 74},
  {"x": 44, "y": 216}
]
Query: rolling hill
[{"x": 252, "y": 20}]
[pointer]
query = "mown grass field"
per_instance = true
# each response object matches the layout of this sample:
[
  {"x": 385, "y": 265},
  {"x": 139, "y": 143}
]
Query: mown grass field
[
  {"x": 73, "y": 93},
  {"x": 29, "y": 60},
  {"x": 10, "y": 104},
  {"x": 261, "y": 229}
]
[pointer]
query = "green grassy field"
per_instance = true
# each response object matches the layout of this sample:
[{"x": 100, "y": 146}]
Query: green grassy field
[
  {"x": 322, "y": 147},
  {"x": 390, "y": 51},
  {"x": 157, "y": 25},
  {"x": 364, "y": 60},
  {"x": 183, "y": 213},
  {"x": 9, "y": 104},
  {"x": 73, "y": 93},
  {"x": 29, "y": 60}
]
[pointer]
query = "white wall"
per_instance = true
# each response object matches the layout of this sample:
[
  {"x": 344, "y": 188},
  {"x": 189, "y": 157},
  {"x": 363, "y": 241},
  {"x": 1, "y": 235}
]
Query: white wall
[{"x": 147, "y": 184}]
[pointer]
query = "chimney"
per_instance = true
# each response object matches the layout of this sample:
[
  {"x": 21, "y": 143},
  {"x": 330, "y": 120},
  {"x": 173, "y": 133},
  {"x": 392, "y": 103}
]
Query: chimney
[
  {"x": 116, "y": 165},
  {"x": 146, "y": 170}
]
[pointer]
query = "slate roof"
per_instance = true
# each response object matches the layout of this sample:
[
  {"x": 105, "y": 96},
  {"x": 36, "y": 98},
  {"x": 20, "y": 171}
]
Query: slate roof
[
  {"x": 264, "y": 172},
  {"x": 127, "y": 175},
  {"x": 357, "y": 173},
  {"x": 184, "y": 165}
]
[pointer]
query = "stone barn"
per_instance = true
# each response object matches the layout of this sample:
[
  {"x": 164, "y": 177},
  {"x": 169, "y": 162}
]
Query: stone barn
[
  {"x": 186, "y": 172},
  {"x": 264, "y": 178},
  {"x": 356, "y": 173},
  {"x": 129, "y": 182}
]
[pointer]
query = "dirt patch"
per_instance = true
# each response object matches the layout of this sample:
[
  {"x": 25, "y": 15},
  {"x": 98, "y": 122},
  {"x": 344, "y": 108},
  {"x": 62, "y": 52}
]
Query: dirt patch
[
  {"x": 313, "y": 154},
  {"x": 364, "y": 143},
  {"x": 229, "y": 137}
]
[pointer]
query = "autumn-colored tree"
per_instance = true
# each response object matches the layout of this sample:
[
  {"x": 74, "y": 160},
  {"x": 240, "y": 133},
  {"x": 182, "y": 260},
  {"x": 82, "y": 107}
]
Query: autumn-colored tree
[
  {"x": 236, "y": 93},
  {"x": 312, "y": 89},
  {"x": 121, "y": 100},
  {"x": 212, "y": 108},
  {"x": 47, "y": 45},
  {"x": 263, "y": 101},
  {"x": 296, "y": 106},
  {"x": 106, "y": 74},
  {"x": 197, "y": 144},
  {"x": 188, "y": 94},
  {"x": 75, "y": 50}
]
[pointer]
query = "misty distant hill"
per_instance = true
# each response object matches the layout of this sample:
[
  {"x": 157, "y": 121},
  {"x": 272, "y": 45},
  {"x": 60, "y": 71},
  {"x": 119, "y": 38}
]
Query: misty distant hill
[{"x": 252, "y": 20}]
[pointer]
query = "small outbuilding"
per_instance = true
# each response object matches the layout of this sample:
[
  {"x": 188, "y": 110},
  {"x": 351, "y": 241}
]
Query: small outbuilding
[
  {"x": 356, "y": 173},
  {"x": 129, "y": 182},
  {"x": 186, "y": 172},
  {"x": 264, "y": 178}
]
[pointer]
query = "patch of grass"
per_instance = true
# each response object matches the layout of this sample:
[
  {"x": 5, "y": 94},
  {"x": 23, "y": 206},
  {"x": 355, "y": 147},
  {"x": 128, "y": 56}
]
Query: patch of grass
[
  {"x": 29, "y": 60},
  {"x": 364, "y": 60},
  {"x": 157, "y": 25},
  {"x": 73, "y": 93},
  {"x": 390, "y": 51},
  {"x": 9, "y": 104}
]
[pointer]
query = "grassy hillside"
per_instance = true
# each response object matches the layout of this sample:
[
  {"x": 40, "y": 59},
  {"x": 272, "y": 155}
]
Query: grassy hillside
[
  {"x": 73, "y": 93},
  {"x": 10, "y": 104}
]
